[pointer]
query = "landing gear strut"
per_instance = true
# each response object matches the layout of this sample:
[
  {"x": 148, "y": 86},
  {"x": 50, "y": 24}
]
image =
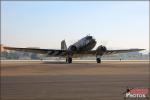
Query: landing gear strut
[
  {"x": 69, "y": 57},
  {"x": 69, "y": 60}
]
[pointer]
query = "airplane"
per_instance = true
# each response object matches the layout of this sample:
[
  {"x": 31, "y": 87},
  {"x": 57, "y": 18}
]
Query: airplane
[{"x": 83, "y": 47}]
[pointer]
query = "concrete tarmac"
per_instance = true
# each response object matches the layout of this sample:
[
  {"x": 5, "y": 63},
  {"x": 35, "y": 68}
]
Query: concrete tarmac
[{"x": 29, "y": 80}]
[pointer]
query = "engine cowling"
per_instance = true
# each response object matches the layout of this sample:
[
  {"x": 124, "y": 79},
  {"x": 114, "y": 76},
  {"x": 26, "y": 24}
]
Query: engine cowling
[{"x": 101, "y": 49}]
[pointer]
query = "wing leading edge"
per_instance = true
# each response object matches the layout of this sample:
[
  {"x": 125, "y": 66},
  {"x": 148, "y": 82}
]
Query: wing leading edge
[
  {"x": 108, "y": 52},
  {"x": 122, "y": 51}
]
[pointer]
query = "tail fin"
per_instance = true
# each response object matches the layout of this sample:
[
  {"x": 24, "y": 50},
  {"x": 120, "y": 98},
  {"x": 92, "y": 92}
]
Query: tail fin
[{"x": 63, "y": 45}]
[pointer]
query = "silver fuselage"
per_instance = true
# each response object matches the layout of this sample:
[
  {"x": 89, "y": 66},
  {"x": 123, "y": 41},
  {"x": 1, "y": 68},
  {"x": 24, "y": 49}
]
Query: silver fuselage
[{"x": 85, "y": 44}]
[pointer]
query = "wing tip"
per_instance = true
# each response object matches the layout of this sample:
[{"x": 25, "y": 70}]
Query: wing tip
[
  {"x": 137, "y": 49},
  {"x": 141, "y": 49},
  {"x": 3, "y": 48}
]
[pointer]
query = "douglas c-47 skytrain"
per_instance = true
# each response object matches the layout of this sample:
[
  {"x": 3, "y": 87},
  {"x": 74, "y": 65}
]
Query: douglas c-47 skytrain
[{"x": 83, "y": 47}]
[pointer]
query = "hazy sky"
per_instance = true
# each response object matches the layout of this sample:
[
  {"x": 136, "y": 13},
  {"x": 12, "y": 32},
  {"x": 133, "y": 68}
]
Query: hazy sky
[{"x": 116, "y": 24}]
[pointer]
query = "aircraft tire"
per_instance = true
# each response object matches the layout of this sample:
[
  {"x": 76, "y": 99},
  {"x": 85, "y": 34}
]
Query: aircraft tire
[
  {"x": 69, "y": 60},
  {"x": 98, "y": 60}
]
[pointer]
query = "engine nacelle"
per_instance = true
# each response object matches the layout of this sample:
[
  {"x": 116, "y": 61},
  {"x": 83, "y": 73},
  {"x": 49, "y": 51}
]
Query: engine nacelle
[
  {"x": 72, "y": 48},
  {"x": 101, "y": 49}
]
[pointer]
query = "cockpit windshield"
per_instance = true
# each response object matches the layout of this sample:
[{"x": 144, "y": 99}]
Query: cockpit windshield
[{"x": 89, "y": 37}]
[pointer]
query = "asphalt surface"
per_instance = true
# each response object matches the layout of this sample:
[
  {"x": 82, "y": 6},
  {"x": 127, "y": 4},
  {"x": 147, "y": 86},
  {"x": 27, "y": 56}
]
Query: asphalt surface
[{"x": 77, "y": 81}]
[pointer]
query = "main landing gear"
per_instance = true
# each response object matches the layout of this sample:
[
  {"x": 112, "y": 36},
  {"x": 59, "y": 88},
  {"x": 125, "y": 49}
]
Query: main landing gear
[
  {"x": 68, "y": 60},
  {"x": 98, "y": 59},
  {"x": 69, "y": 57}
]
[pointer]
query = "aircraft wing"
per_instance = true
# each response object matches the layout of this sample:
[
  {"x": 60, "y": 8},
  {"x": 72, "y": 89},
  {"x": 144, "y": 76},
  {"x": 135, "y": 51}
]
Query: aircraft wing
[
  {"x": 121, "y": 51},
  {"x": 62, "y": 53},
  {"x": 108, "y": 52},
  {"x": 49, "y": 52}
]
